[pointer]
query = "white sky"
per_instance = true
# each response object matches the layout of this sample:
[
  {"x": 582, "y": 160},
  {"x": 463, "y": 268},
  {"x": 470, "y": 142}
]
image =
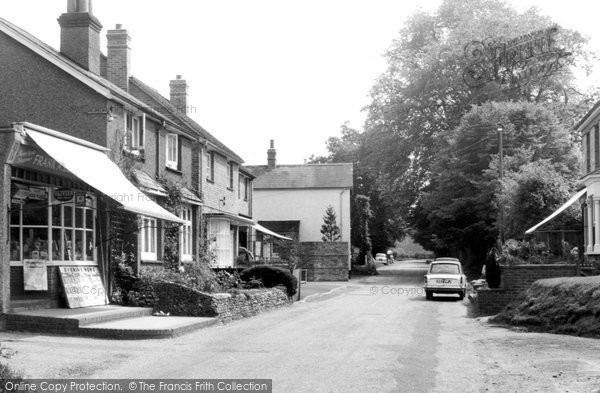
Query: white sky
[{"x": 292, "y": 71}]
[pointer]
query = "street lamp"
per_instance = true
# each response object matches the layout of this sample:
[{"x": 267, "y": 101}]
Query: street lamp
[{"x": 500, "y": 176}]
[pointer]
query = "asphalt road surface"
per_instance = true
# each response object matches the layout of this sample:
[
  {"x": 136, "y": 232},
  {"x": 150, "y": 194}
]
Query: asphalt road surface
[{"x": 374, "y": 334}]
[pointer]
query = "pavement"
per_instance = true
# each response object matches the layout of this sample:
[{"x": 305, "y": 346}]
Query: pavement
[{"x": 372, "y": 334}]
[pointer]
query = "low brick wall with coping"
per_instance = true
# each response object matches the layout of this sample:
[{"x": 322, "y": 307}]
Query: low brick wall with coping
[
  {"x": 516, "y": 279},
  {"x": 177, "y": 299}
]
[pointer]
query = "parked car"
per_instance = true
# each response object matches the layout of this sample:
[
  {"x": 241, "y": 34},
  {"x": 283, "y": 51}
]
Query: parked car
[
  {"x": 445, "y": 275},
  {"x": 380, "y": 257}
]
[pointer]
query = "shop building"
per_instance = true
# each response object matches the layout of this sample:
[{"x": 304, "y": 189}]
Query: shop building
[{"x": 86, "y": 99}]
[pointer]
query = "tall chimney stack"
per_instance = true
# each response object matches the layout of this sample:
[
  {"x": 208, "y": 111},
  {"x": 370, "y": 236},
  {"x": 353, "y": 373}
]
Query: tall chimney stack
[
  {"x": 118, "y": 60},
  {"x": 178, "y": 94},
  {"x": 80, "y": 35},
  {"x": 271, "y": 155}
]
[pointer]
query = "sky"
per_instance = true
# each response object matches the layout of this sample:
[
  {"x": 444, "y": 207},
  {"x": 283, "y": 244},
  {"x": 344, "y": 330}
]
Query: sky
[{"x": 291, "y": 71}]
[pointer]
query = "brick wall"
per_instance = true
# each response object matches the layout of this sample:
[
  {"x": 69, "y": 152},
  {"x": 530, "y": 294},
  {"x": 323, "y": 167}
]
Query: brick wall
[
  {"x": 516, "y": 279},
  {"x": 325, "y": 261}
]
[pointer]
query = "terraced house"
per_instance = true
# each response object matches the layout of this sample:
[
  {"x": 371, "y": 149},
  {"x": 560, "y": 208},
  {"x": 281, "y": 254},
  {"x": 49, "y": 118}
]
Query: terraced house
[{"x": 93, "y": 159}]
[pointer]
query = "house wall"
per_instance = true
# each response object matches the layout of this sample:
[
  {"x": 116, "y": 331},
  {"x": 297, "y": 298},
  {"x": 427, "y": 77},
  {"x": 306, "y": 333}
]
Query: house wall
[
  {"x": 36, "y": 91},
  {"x": 214, "y": 191},
  {"x": 306, "y": 205}
]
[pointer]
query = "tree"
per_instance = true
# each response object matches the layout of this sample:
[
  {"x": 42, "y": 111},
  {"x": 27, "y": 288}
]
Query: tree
[
  {"x": 360, "y": 227},
  {"x": 329, "y": 229},
  {"x": 423, "y": 95},
  {"x": 458, "y": 212}
]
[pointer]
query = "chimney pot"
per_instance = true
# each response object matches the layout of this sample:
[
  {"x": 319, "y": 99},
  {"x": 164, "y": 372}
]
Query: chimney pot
[{"x": 118, "y": 26}]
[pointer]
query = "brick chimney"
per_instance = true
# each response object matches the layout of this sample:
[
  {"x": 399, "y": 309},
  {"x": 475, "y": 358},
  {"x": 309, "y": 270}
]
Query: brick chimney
[
  {"x": 80, "y": 35},
  {"x": 178, "y": 94},
  {"x": 271, "y": 155},
  {"x": 118, "y": 59}
]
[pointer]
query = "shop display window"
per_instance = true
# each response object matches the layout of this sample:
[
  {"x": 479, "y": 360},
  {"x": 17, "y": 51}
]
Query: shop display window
[{"x": 42, "y": 227}]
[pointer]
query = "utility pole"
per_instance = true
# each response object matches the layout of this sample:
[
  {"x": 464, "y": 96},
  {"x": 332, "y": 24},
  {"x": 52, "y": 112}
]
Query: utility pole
[{"x": 501, "y": 175}]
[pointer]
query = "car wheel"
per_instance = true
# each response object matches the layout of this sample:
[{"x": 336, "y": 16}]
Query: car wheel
[
  {"x": 428, "y": 295},
  {"x": 461, "y": 295}
]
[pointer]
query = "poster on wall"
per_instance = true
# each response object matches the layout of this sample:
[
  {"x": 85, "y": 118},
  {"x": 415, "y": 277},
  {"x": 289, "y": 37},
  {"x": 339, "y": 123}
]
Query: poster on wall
[
  {"x": 35, "y": 275},
  {"x": 83, "y": 286}
]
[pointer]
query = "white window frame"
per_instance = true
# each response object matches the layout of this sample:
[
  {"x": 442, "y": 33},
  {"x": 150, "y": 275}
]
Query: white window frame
[
  {"x": 135, "y": 135},
  {"x": 149, "y": 239},
  {"x": 172, "y": 162},
  {"x": 186, "y": 235}
]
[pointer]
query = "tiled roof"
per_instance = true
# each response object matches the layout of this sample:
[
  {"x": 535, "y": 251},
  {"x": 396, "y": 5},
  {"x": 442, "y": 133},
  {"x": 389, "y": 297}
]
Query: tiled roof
[
  {"x": 180, "y": 118},
  {"x": 302, "y": 176},
  {"x": 112, "y": 91},
  {"x": 148, "y": 184},
  {"x": 96, "y": 82}
]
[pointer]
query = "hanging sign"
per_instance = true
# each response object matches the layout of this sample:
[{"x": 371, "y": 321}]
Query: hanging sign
[
  {"x": 35, "y": 275},
  {"x": 83, "y": 286}
]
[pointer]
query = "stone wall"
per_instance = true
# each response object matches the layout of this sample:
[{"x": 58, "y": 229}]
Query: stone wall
[
  {"x": 516, "y": 279},
  {"x": 180, "y": 300},
  {"x": 325, "y": 261}
]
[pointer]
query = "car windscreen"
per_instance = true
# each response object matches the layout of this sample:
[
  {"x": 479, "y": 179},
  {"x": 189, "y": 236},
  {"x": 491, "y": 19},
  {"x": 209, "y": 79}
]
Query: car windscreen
[{"x": 447, "y": 268}]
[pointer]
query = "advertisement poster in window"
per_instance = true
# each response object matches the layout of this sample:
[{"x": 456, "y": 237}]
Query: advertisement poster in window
[{"x": 35, "y": 275}]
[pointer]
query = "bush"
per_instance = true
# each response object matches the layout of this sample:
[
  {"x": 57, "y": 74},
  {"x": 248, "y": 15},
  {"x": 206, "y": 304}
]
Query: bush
[
  {"x": 7, "y": 373},
  {"x": 271, "y": 276}
]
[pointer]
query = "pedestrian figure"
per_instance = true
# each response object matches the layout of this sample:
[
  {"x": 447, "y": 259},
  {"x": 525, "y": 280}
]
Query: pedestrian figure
[{"x": 492, "y": 268}]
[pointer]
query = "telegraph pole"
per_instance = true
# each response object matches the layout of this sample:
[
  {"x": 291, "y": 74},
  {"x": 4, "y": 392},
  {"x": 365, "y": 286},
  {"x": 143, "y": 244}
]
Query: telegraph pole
[{"x": 501, "y": 175}]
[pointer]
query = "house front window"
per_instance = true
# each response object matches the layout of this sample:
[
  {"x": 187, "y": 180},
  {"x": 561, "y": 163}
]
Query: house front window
[
  {"x": 172, "y": 151},
  {"x": 186, "y": 234},
  {"x": 210, "y": 166},
  {"x": 46, "y": 228},
  {"x": 149, "y": 237},
  {"x": 230, "y": 173},
  {"x": 135, "y": 127}
]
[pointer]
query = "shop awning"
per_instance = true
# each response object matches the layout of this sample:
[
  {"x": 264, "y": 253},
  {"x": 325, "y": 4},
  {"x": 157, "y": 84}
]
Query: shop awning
[
  {"x": 93, "y": 167},
  {"x": 232, "y": 217},
  {"x": 558, "y": 211},
  {"x": 262, "y": 229}
]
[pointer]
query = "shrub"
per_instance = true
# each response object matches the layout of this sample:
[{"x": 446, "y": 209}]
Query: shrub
[
  {"x": 271, "y": 276},
  {"x": 7, "y": 373}
]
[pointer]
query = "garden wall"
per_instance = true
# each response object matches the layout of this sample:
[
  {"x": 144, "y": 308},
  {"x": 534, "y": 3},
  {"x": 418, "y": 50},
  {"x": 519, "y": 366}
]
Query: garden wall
[
  {"x": 515, "y": 280},
  {"x": 180, "y": 300},
  {"x": 325, "y": 261}
]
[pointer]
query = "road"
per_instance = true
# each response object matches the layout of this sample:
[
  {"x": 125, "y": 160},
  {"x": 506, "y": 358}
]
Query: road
[{"x": 374, "y": 334}]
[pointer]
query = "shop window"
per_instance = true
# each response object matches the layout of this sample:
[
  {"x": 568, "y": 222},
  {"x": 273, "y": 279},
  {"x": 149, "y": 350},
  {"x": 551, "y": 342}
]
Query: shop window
[
  {"x": 172, "y": 151},
  {"x": 42, "y": 227},
  {"x": 186, "y": 234},
  {"x": 149, "y": 239}
]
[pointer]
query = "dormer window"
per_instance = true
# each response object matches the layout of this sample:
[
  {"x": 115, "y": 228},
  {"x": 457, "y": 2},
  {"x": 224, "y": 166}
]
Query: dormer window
[{"x": 134, "y": 133}]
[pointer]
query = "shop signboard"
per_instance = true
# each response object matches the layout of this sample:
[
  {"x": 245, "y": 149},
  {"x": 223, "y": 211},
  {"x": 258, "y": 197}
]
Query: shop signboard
[
  {"x": 83, "y": 286},
  {"x": 35, "y": 275},
  {"x": 31, "y": 157}
]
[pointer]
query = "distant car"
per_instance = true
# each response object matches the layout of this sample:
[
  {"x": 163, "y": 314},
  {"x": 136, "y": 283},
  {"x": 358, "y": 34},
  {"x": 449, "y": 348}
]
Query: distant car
[
  {"x": 380, "y": 257},
  {"x": 445, "y": 275}
]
